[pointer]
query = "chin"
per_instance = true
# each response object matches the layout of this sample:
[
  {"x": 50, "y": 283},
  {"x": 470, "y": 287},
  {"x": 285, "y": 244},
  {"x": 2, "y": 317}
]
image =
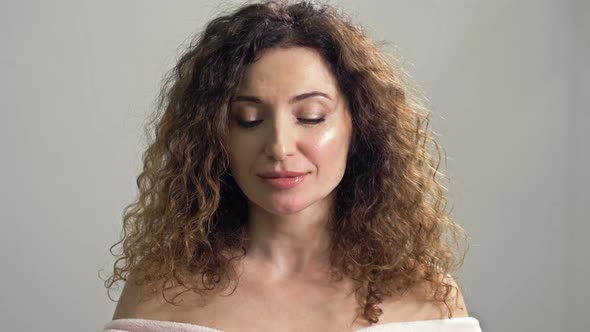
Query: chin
[
  {"x": 286, "y": 209},
  {"x": 284, "y": 206}
]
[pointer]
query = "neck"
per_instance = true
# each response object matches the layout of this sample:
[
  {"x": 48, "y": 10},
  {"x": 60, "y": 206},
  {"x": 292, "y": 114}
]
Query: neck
[{"x": 290, "y": 246}]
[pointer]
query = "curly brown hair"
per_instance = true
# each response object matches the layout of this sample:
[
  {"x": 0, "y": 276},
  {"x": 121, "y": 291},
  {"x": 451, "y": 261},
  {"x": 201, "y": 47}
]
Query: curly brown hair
[{"x": 390, "y": 228}]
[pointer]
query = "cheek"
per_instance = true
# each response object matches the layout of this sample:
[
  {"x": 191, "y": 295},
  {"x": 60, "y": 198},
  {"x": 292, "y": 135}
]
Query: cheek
[
  {"x": 329, "y": 148},
  {"x": 240, "y": 153}
]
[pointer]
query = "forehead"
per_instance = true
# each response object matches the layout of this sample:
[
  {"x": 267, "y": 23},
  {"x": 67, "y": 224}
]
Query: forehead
[{"x": 288, "y": 70}]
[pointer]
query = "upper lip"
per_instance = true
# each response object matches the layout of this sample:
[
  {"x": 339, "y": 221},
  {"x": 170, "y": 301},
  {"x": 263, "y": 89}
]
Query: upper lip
[{"x": 281, "y": 174}]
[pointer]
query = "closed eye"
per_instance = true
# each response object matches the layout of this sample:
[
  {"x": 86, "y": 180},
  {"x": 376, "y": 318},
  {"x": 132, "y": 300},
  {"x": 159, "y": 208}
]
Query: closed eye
[
  {"x": 311, "y": 121},
  {"x": 248, "y": 124},
  {"x": 251, "y": 124}
]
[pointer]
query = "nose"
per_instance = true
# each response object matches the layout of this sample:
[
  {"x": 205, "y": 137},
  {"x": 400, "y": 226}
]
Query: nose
[{"x": 280, "y": 141}]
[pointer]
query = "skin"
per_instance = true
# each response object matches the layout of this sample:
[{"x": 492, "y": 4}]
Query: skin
[{"x": 288, "y": 226}]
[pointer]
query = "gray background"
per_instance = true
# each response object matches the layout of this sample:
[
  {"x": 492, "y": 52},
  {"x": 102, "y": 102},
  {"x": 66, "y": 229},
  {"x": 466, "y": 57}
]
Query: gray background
[{"x": 506, "y": 81}]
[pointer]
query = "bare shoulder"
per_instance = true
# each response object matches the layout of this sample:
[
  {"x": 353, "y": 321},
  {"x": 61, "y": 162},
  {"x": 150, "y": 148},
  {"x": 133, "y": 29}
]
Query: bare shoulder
[
  {"x": 145, "y": 301},
  {"x": 457, "y": 302},
  {"x": 134, "y": 300},
  {"x": 415, "y": 306}
]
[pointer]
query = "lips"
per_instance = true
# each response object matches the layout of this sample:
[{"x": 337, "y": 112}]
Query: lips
[
  {"x": 283, "y": 179},
  {"x": 286, "y": 182},
  {"x": 281, "y": 174}
]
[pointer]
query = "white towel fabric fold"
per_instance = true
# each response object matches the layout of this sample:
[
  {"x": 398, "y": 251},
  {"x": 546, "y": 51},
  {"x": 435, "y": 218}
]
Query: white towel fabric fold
[{"x": 457, "y": 324}]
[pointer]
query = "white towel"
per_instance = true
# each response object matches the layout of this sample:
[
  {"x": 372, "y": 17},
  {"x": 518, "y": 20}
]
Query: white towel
[{"x": 457, "y": 324}]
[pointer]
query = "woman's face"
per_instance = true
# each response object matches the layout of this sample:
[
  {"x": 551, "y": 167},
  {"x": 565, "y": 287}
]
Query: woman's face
[{"x": 288, "y": 115}]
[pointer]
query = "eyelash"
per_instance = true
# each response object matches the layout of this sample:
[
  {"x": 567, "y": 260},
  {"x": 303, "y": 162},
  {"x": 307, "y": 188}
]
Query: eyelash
[{"x": 251, "y": 124}]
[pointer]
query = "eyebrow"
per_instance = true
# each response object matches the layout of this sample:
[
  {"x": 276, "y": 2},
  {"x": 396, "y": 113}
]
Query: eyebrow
[{"x": 295, "y": 99}]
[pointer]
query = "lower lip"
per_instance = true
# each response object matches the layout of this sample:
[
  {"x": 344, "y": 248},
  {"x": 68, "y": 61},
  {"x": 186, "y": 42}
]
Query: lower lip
[{"x": 284, "y": 183}]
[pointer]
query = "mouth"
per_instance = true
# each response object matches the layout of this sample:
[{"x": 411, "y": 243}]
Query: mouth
[
  {"x": 284, "y": 182},
  {"x": 281, "y": 174}
]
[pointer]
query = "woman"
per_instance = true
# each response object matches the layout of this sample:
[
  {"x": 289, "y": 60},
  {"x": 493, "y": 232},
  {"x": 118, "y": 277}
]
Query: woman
[{"x": 289, "y": 188}]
